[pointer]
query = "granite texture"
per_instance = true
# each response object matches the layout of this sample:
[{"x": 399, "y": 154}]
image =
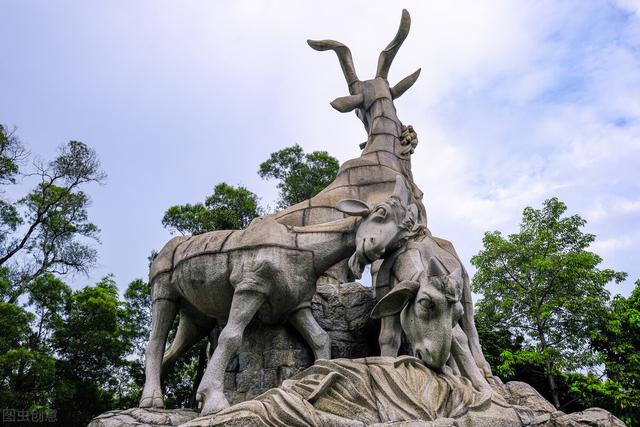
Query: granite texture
[
  {"x": 378, "y": 392},
  {"x": 270, "y": 354},
  {"x": 268, "y": 272},
  {"x": 143, "y": 417},
  {"x": 385, "y": 391}
]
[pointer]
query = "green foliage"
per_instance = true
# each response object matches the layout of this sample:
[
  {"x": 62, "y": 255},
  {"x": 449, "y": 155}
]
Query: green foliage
[
  {"x": 594, "y": 391},
  {"x": 18, "y": 364},
  {"x": 91, "y": 338},
  {"x": 544, "y": 285},
  {"x": 27, "y": 365},
  {"x": 70, "y": 351},
  {"x": 138, "y": 305},
  {"x": 227, "y": 208},
  {"x": 12, "y": 155},
  {"x": 617, "y": 340},
  {"x": 47, "y": 229},
  {"x": 517, "y": 359},
  {"x": 496, "y": 338},
  {"x": 92, "y": 345},
  {"x": 59, "y": 349},
  {"x": 301, "y": 176}
]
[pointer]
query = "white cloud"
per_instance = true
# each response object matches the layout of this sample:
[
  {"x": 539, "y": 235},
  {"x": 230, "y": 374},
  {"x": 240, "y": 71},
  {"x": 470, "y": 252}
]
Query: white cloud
[
  {"x": 610, "y": 246},
  {"x": 517, "y": 102},
  {"x": 613, "y": 207},
  {"x": 632, "y": 6}
]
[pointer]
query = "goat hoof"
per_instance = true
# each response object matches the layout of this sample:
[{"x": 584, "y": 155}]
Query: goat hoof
[
  {"x": 152, "y": 400},
  {"x": 216, "y": 402}
]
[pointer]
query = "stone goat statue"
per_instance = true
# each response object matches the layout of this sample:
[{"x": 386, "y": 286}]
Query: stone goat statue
[
  {"x": 430, "y": 300},
  {"x": 268, "y": 270},
  {"x": 386, "y": 153}
]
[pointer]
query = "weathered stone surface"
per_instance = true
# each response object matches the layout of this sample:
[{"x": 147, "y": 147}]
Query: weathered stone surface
[
  {"x": 348, "y": 393},
  {"x": 268, "y": 272},
  {"x": 380, "y": 391},
  {"x": 386, "y": 153},
  {"x": 595, "y": 417},
  {"x": 343, "y": 311},
  {"x": 522, "y": 394},
  {"x": 428, "y": 269},
  {"x": 270, "y": 355},
  {"x": 143, "y": 417},
  {"x": 270, "y": 269}
]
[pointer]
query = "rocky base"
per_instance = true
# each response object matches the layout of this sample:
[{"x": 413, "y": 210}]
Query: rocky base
[
  {"x": 140, "y": 417},
  {"x": 271, "y": 354},
  {"x": 534, "y": 410},
  {"x": 384, "y": 391},
  {"x": 544, "y": 414}
]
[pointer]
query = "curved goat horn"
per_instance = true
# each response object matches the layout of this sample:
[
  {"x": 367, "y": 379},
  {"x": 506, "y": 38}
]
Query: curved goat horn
[
  {"x": 389, "y": 52},
  {"x": 344, "y": 56}
]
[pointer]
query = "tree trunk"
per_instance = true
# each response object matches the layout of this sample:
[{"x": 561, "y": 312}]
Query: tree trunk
[{"x": 553, "y": 387}]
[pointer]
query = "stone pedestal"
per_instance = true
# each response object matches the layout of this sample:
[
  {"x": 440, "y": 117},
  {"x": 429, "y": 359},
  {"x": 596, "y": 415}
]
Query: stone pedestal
[{"x": 269, "y": 355}]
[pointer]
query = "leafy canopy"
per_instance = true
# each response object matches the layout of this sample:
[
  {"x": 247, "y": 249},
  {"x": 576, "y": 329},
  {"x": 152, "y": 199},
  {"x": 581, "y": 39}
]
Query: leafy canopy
[
  {"x": 46, "y": 231},
  {"x": 543, "y": 284},
  {"x": 617, "y": 340},
  {"x": 301, "y": 175},
  {"x": 226, "y": 209}
]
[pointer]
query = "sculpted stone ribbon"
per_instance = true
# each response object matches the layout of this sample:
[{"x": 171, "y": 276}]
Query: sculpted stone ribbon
[{"x": 378, "y": 391}]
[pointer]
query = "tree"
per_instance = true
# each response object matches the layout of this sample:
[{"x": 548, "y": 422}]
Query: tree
[
  {"x": 497, "y": 341},
  {"x": 617, "y": 340},
  {"x": 71, "y": 351},
  {"x": 301, "y": 176},
  {"x": 12, "y": 155},
  {"x": 138, "y": 305},
  {"x": 92, "y": 344},
  {"x": 27, "y": 366},
  {"x": 59, "y": 349},
  {"x": 226, "y": 209},
  {"x": 544, "y": 285},
  {"x": 45, "y": 231}
]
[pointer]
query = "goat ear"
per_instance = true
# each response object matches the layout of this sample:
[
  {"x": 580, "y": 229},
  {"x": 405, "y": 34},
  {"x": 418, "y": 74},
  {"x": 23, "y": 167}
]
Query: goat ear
[
  {"x": 396, "y": 300},
  {"x": 403, "y": 85},
  {"x": 344, "y": 104},
  {"x": 436, "y": 268},
  {"x": 353, "y": 207}
]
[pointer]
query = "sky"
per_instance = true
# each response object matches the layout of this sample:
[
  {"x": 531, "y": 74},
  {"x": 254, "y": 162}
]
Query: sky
[{"x": 518, "y": 101}]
